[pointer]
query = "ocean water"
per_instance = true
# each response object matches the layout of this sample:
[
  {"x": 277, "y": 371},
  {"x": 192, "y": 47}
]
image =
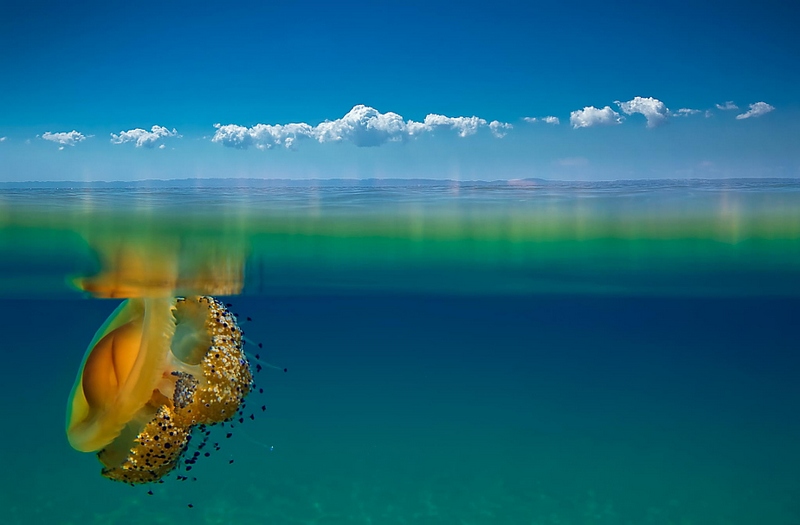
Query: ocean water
[{"x": 523, "y": 352}]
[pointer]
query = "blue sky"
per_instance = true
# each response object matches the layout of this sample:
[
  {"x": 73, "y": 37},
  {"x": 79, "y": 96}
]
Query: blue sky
[{"x": 390, "y": 89}]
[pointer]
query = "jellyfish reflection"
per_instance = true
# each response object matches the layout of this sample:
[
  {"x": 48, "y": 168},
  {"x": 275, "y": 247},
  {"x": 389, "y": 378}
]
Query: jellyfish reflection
[{"x": 155, "y": 369}]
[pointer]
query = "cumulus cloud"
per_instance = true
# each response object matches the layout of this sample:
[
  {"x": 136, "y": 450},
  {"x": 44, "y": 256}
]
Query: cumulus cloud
[
  {"x": 685, "y": 112},
  {"x": 499, "y": 129},
  {"x": 727, "y": 106},
  {"x": 363, "y": 126},
  {"x": 64, "y": 138},
  {"x": 143, "y": 138},
  {"x": 756, "y": 110},
  {"x": 591, "y": 116},
  {"x": 262, "y": 136},
  {"x": 546, "y": 120},
  {"x": 465, "y": 126},
  {"x": 653, "y": 109},
  {"x": 3, "y": 139}
]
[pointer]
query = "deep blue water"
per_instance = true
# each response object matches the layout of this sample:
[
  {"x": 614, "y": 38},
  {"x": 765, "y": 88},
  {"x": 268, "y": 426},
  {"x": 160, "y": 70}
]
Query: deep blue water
[{"x": 435, "y": 409}]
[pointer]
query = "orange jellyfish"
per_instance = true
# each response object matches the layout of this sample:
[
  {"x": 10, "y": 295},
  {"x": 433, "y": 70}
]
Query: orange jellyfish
[{"x": 155, "y": 369}]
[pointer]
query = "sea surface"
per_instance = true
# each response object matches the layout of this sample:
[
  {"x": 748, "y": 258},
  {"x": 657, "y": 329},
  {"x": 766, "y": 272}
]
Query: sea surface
[{"x": 516, "y": 352}]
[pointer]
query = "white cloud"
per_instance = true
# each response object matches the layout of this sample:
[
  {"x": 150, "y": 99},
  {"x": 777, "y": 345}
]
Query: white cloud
[
  {"x": 162, "y": 146},
  {"x": 64, "y": 138},
  {"x": 465, "y": 126},
  {"x": 546, "y": 120},
  {"x": 756, "y": 110},
  {"x": 3, "y": 139},
  {"x": 727, "y": 106},
  {"x": 262, "y": 136},
  {"x": 142, "y": 137},
  {"x": 363, "y": 126},
  {"x": 685, "y": 112},
  {"x": 653, "y": 109},
  {"x": 499, "y": 129},
  {"x": 591, "y": 116}
]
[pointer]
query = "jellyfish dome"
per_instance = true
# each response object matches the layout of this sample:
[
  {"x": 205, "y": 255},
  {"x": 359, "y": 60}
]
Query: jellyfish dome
[{"x": 155, "y": 369}]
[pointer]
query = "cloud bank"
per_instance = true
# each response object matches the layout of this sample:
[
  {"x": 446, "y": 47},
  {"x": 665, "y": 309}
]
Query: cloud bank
[
  {"x": 144, "y": 138},
  {"x": 756, "y": 110},
  {"x": 653, "y": 109},
  {"x": 591, "y": 116},
  {"x": 362, "y": 126},
  {"x": 64, "y": 138}
]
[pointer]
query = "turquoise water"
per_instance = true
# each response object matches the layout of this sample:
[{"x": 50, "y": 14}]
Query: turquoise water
[{"x": 538, "y": 353}]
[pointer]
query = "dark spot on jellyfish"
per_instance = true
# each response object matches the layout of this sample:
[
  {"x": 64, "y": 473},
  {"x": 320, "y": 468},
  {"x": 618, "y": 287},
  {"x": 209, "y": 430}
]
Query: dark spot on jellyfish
[
  {"x": 285, "y": 369},
  {"x": 258, "y": 368},
  {"x": 185, "y": 388},
  {"x": 229, "y": 434},
  {"x": 167, "y": 445},
  {"x": 249, "y": 318},
  {"x": 228, "y": 305},
  {"x": 188, "y": 468},
  {"x": 260, "y": 345},
  {"x": 150, "y": 492},
  {"x": 230, "y": 462},
  {"x": 258, "y": 356},
  {"x": 260, "y": 390},
  {"x": 190, "y": 506},
  {"x": 207, "y": 454},
  {"x": 263, "y": 408},
  {"x": 241, "y": 420},
  {"x": 252, "y": 417}
]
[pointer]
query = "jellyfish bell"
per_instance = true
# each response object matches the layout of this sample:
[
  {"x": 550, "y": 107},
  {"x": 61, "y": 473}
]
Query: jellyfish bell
[{"x": 155, "y": 369}]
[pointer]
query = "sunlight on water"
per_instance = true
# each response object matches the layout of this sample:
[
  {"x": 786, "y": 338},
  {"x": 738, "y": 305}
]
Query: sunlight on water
[{"x": 624, "y": 237}]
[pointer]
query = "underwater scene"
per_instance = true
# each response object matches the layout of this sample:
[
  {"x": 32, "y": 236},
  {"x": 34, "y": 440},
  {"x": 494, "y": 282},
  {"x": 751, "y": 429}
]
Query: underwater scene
[{"x": 401, "y": 352}]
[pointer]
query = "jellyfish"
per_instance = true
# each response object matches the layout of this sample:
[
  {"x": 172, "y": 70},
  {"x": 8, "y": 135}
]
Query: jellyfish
[{"x": 155, "y": 369}]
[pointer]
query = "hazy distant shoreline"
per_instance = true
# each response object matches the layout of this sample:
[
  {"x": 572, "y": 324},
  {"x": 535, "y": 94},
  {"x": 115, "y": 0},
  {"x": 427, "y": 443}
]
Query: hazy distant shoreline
[{"x": 392, "y": 182}]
